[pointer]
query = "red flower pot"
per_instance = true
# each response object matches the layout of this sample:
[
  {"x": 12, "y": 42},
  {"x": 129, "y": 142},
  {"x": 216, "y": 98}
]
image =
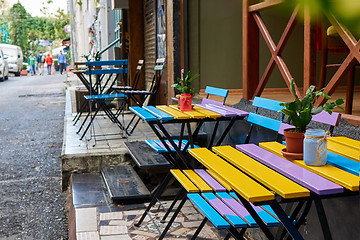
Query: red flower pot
[
  {"x": 185, "y": 102},
  {"x": 294, "y": 140}
]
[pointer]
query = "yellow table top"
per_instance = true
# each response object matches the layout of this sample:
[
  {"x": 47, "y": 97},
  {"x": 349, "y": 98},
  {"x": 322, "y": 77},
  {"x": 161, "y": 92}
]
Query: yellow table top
[
  {"x": 177, "y": 114},
  {"x": 195, "y": 113}
]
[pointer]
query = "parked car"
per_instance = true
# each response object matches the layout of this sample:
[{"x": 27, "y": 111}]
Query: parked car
[
  {"x": 4, "y": 67},
  {"x": 14, "y": 57}
]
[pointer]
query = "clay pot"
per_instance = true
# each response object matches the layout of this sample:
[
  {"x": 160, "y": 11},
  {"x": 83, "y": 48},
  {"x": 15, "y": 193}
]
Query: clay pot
[
  {"x": 294, "y": 140},
  {"x": 185, "y": 102}
]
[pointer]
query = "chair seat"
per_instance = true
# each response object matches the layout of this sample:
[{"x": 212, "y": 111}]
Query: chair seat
[{"x": 105, "y": 96}]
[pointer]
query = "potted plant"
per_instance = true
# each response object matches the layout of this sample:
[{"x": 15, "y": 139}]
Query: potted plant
[
  {"x": 183, "y": 85},
  {"x": 300, "y": 113}
]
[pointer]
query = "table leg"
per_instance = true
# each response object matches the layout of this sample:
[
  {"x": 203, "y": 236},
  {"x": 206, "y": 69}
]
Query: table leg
[
  {"x": 285, "y": 221},
  {"x": 231, "y": 123},
  {"x": 281, "y": 231},
  {"x": 256, "y": 217},
  {"x": 181, "y": 134},
  {"x": 194, "y": 135},
  {"x": 213, "y": 135},
  {"x": 190, "y": 134},
  {"x": 168, "y": 137},
  {"x": 322, "y": 218}
]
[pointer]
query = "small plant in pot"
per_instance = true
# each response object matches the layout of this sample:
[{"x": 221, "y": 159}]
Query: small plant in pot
[
  {"x": 183, "y": 85},
  {"x": 300, "y": 113}
]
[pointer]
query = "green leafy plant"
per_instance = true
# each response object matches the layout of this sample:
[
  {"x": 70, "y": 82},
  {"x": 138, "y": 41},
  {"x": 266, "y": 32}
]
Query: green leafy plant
[
  {"x": 184, "y": 85},
  {"x": 300, "y": 111}
]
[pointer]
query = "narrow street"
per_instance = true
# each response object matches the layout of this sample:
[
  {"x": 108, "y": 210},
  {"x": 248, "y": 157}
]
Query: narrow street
[{"x": 31, "y": 132}]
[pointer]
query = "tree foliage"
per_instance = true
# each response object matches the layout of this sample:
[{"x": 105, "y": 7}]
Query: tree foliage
[{"x": 25, "y": 30}]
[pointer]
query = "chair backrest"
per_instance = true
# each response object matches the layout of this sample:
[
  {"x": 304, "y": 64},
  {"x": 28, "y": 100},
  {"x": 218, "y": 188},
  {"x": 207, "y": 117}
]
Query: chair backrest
[
  {"x": 267, "y": 122},
  {"x": 139, "y": 68},
  {"x": 328, "y": 119},
  {"x": 119, "y": 66},
  {"x": 154, "y": 86},
  {"x": 279, "y": 125},
  {"x": 216, "y": 92}
]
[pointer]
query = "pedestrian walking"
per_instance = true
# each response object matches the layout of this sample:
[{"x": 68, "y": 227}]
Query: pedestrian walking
[
  {"x": 41, "y": 60},
  {"x": 62, "y": 62},
  {"x": 32, "y": 62},
  {"x": 49, "y": 62}
]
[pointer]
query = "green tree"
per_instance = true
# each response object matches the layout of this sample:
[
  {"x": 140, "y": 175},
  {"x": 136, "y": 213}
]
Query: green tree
[
  {"x": 25, "y": 30},
  {"x": 18, "y": 19},
  {"x": 61, "y": 20}
]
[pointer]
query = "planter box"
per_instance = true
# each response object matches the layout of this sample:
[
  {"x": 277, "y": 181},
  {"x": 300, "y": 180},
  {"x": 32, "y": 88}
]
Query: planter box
[{"x": 79, "y": 97}]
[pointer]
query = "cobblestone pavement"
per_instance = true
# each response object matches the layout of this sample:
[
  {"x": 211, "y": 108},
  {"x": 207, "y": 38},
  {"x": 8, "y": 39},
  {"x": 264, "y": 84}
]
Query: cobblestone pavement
[{"x": 31, "y": 132}]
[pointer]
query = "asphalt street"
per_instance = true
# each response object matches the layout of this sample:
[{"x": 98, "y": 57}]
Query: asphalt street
[{"x": 31, "y": 132}]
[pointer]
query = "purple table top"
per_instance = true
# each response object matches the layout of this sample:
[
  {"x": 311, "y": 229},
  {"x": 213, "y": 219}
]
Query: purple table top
[
  {"x": 310, "y": 180},
  {"x": 213, "y": 108},
  {"x": 225, "y": 111}
]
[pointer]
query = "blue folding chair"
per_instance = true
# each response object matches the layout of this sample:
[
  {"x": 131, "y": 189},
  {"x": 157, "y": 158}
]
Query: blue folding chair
[
  {"x": 100, "y": 91},
  {"x": 145, "y": 97}
]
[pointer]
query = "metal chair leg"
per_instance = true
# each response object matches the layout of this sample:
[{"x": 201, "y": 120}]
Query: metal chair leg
[
  {"x": 83, "y": 123},
  {"x": 88, "y": 126},
  {"x": 237, "y": 235},
  {"x": 155, "y": 197},
  {"x": 177, "y": 197},
  {"x": 173, "y": 217},
  {"x": 198, "y": 230},
  {"x": 78, "y": 115}
]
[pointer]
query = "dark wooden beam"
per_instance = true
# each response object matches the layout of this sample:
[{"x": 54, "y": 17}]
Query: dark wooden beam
[
  {"x": 264, "y": 5},
  {"x": 337, "y": 78},
  {"x": 272, "y": 47},
  {"x": 182, "y": 34},
  {"x": 278, "y": 50},
  {"x": 250, "y": 51},
  {"x": 309, "y": 50},
  {"x": 169, "y": 49},
  {"x": 136, "y": 42},
  {"x": 346, "y": 36}
]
